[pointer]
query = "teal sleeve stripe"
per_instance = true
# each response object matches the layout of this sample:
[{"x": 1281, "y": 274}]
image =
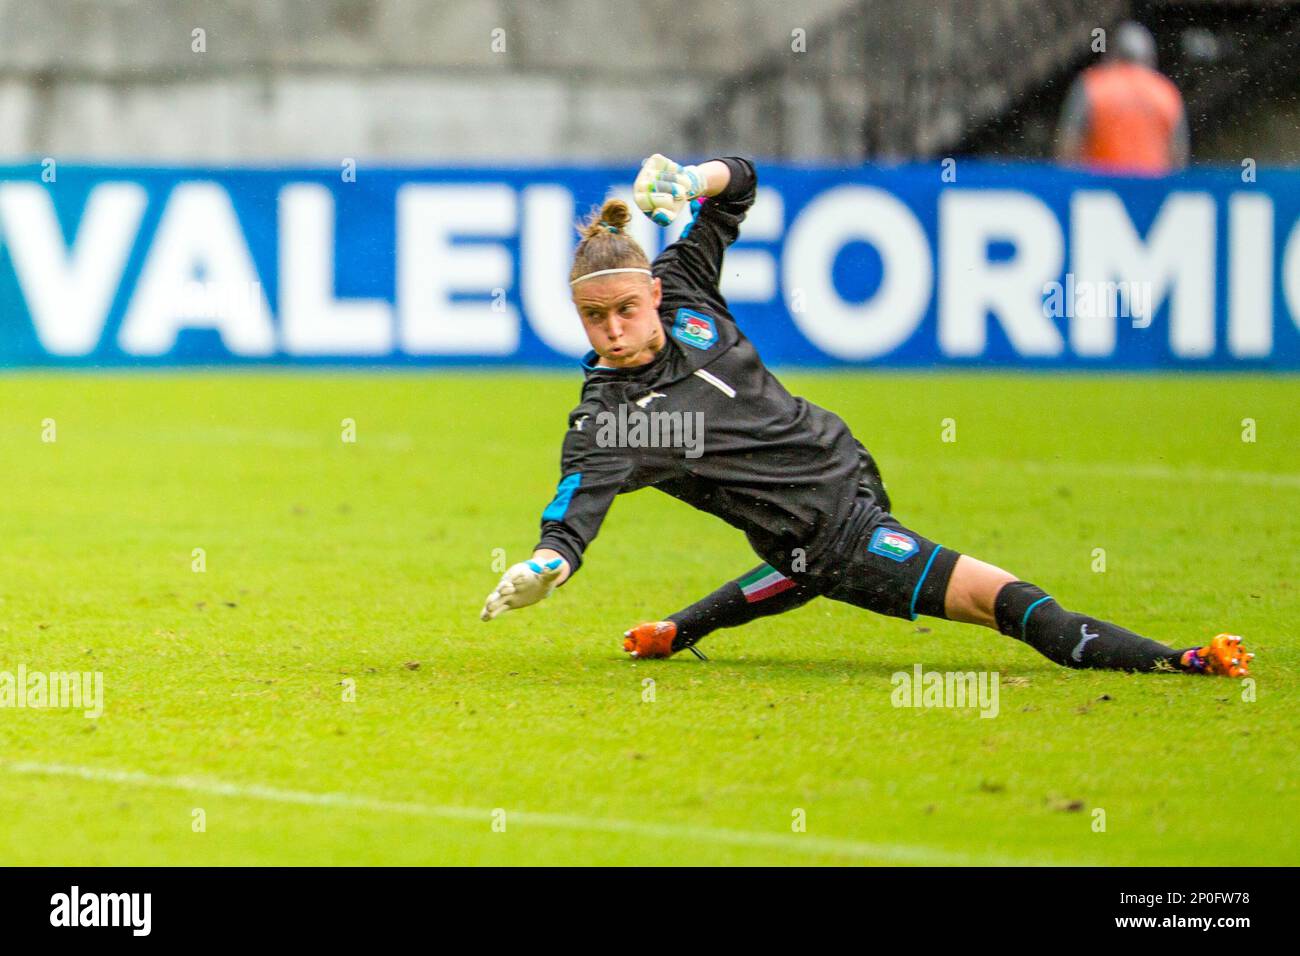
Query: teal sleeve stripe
[
  {"x": 924, "y": 571},
  {"x": 695, "y": 211},
  {"x": 559, "y": 505},
  {"x": 1028, "y": 611}
]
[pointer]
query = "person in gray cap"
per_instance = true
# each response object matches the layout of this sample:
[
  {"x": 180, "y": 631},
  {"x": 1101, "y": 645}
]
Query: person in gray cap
[{"x": 1123, "y": 116}]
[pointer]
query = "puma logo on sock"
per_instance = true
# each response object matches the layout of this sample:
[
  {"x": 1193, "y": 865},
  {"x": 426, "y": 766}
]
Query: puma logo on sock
[{"x": 1077, "y": 653}]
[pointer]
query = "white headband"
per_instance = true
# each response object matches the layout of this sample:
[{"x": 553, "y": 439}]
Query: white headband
[{"x": 605, "y": 272}]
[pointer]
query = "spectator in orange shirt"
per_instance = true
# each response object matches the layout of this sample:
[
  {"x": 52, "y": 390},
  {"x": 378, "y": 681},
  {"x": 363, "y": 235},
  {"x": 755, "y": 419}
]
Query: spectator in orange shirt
[{"x": 1123, "y": 116}]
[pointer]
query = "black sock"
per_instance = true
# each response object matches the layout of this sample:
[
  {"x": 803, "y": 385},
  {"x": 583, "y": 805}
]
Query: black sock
[
  {"x": 761, "y": 592},
  {"x": 1027, "y": 613}
]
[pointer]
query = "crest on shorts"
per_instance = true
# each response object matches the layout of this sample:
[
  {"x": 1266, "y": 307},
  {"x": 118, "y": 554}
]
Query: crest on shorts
[
  {"x": 693, "y": 329},
  {"x": 892, "y": 544}
]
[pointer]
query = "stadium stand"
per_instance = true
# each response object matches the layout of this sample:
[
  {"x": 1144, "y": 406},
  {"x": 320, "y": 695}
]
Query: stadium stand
[
  {"x": 439, "y": 80},
  {"x": 906, "y": 92}
]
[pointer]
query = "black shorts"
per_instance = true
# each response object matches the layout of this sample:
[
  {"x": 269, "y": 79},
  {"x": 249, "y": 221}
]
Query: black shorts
[{"x": 884, "y": 567}]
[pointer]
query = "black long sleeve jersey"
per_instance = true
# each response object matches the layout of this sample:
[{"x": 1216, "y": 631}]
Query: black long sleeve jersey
[{"x": 779, "y": 468}]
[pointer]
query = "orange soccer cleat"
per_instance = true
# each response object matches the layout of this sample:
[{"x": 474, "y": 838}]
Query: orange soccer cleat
[
  {"x": 1223, "y": 656},
  {"x": 653, "y": 639}
]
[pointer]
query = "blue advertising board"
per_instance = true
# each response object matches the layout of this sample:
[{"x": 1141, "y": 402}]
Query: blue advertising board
[{"x": 954, "y": 264}]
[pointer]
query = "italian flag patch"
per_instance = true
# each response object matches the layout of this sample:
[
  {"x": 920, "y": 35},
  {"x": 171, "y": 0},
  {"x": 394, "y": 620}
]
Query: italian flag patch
[
  {"x": 892, "y": 544},
  {"x": 764, "y": 583}
]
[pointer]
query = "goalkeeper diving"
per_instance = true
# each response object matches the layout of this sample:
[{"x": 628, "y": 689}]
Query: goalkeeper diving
[{"x": 790, "y": 475}]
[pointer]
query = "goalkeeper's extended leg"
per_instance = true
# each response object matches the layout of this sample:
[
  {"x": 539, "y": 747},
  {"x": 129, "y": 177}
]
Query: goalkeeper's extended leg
[
  {"x": 979, "y": 593},
  {"x": 762, "y": 592}
]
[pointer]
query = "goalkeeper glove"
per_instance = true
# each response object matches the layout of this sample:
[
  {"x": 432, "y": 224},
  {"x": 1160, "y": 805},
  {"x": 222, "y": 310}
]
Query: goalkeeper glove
[
  {"x": 523, "y": 584},
  {"x": 663, "y": 187}
]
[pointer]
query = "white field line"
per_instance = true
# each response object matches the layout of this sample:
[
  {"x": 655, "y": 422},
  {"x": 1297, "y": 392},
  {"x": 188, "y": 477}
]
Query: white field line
[
  {"x": 283, "y": 438},
  {"x": 1104, "y": 469},
  {"x": 401, "y": 441},
  {"x": 792, "y": 842},
  {"x": 288, "y": 438},
  {"x": 319, "y": 439}
]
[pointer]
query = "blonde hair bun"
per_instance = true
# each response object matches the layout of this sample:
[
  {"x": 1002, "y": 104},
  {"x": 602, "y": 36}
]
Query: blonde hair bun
[
  {"x": 614, "y": 215},
  {"x": 605, "y": 244}
]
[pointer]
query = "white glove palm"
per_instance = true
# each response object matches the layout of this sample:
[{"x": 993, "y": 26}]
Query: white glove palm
[
  {"x": 523, "y": 584},
  {"x": 663, "y": 187}
]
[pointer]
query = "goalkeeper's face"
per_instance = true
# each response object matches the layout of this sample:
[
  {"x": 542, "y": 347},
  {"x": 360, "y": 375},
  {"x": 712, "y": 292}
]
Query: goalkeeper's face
[{"x": 620, "y": 314}]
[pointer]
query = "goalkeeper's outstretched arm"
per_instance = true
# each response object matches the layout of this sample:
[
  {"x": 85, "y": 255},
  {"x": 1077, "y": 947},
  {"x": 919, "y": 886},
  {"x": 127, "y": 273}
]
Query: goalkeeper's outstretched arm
[
  {"x": 720, "y": 194},
  {"x": 526, "y": 583},
  {"x": 664, "y": 188}
]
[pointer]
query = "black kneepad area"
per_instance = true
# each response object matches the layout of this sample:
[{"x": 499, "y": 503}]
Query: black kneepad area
[{"x": 1013, "y": 604}]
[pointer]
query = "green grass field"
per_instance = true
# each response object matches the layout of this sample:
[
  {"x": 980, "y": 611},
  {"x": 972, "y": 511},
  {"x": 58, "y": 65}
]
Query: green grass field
[{"x": 329, "y": 563}]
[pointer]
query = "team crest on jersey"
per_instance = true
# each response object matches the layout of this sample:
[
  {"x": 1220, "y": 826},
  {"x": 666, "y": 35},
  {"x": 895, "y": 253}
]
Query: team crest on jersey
[
  {"x": 693, "y": 329},
  {"x": 892, "y": 544}
]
